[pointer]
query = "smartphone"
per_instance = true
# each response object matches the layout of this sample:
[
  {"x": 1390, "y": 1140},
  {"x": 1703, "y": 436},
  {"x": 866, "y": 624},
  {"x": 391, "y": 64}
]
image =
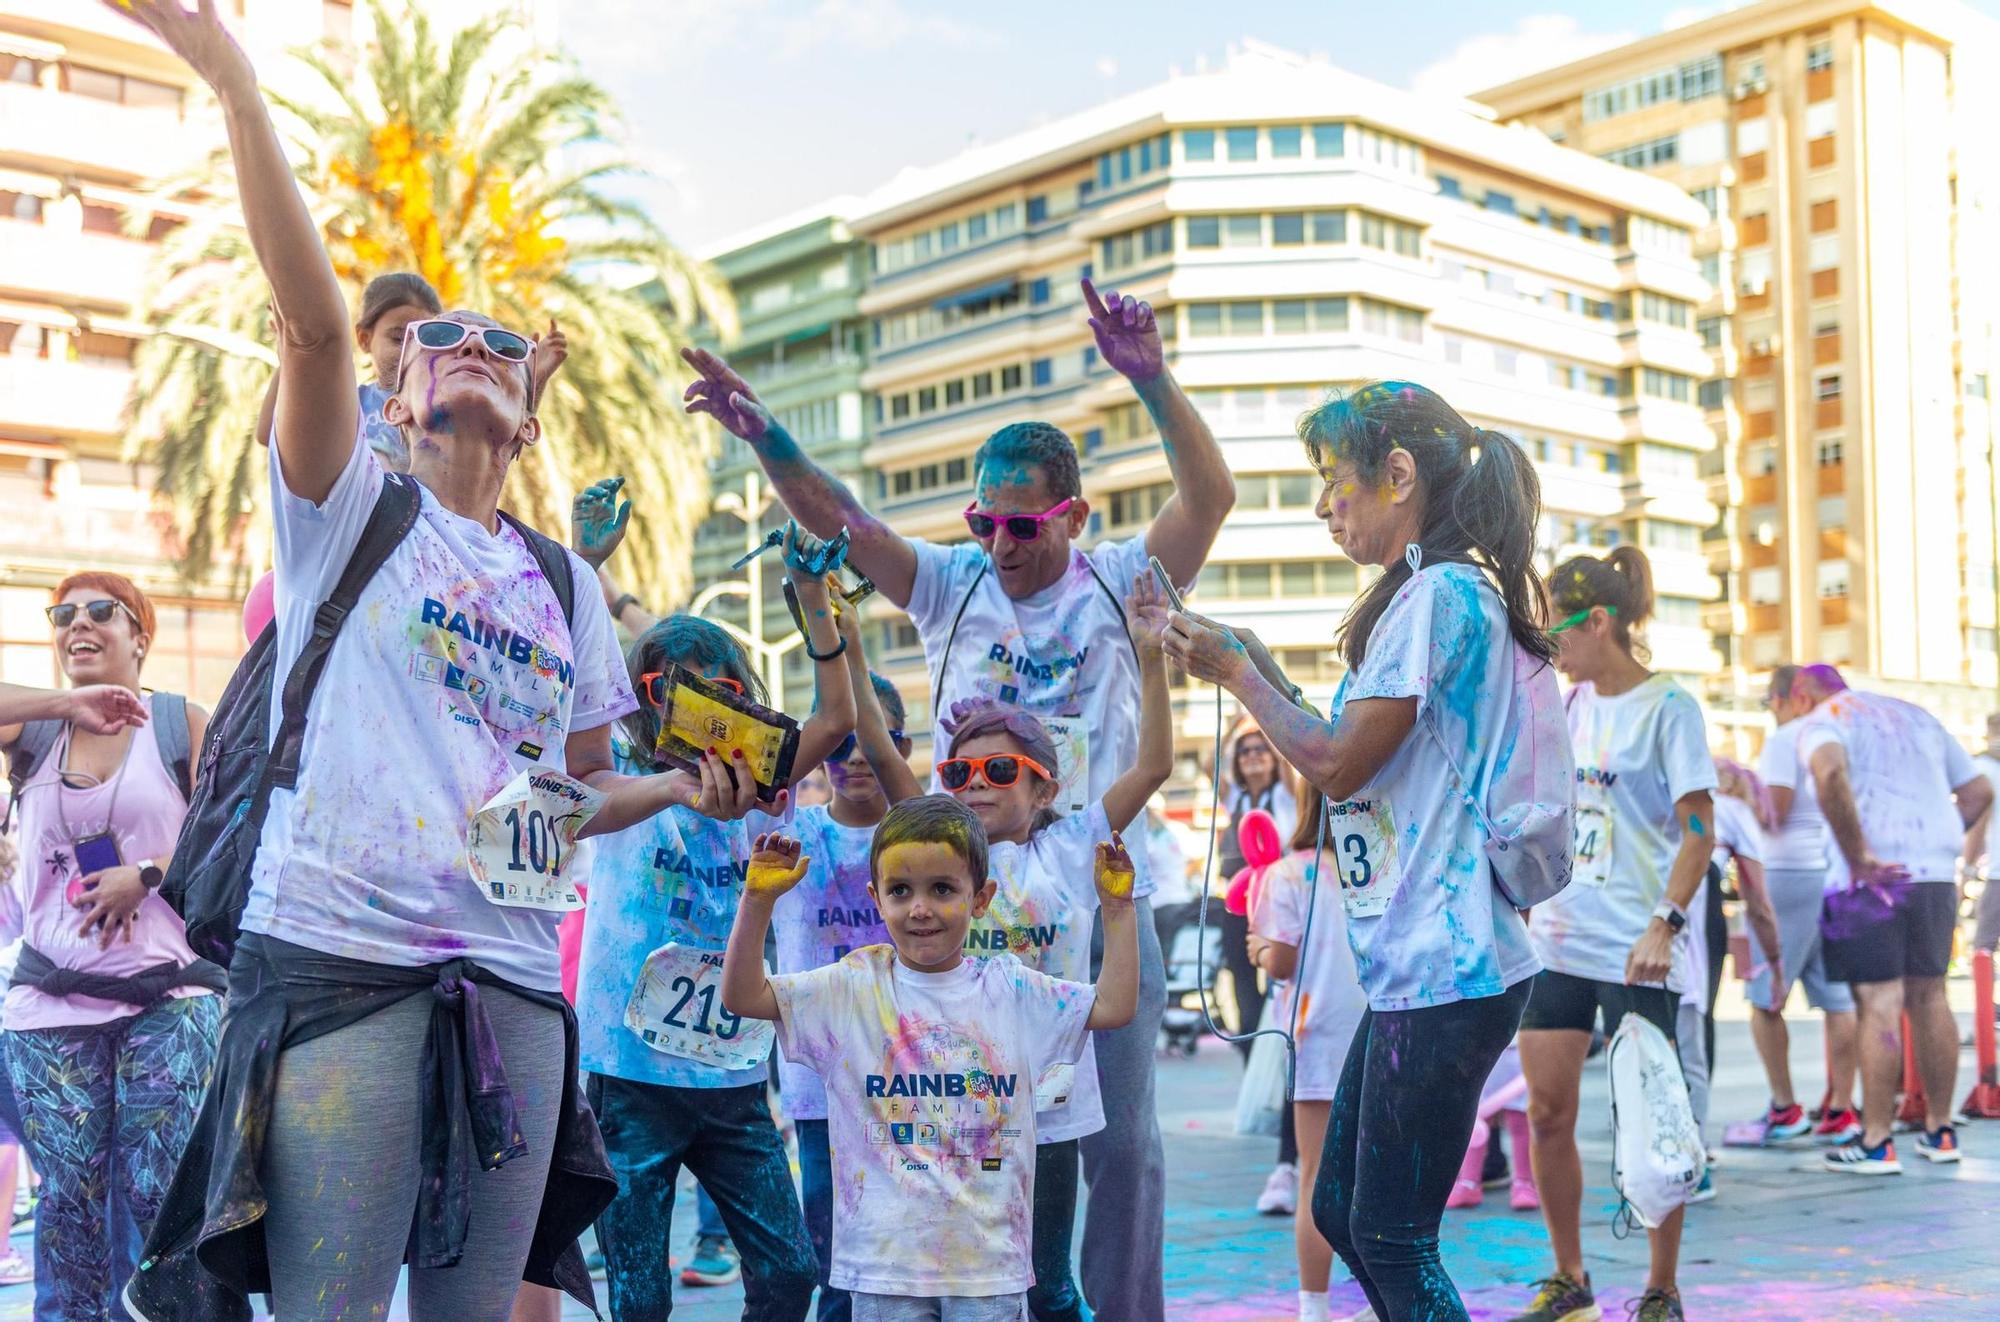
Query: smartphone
[
  {"x": 95, "y": 853},
  {"x": 1167, "y": 585}
]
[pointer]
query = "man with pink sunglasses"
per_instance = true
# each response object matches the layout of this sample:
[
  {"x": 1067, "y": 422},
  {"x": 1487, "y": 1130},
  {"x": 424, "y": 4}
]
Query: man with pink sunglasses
[{"x": 1020, "y": 614}]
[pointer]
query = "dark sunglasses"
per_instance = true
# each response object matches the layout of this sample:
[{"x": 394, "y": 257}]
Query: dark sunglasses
[
  {"x": 845, "y": 748},
  {"x": 653, "y": 686},
  {"x": 101, "y": 611},
  {"x": 997, "y": 769},
  {"x": 439, "y": 335},
  {"x": 1021, "y": 527}
]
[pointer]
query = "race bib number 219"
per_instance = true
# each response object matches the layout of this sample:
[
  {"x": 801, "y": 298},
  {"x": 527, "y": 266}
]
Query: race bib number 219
[{"x": 676, "y": 1007}]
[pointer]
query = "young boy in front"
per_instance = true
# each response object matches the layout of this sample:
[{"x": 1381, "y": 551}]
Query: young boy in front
[{"x": 930, "y": 1059}]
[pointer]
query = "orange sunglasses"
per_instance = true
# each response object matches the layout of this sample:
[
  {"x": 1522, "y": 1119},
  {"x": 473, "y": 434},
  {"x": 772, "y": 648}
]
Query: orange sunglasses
[
  {"x": 997, "y": 769},
  {"x": 653, "y": 684}
]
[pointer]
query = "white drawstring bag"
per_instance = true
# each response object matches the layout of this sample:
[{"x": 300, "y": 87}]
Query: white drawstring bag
[
  {"x": 1657, "y": 1156},
  {"x": 1260, "y": 1103}
]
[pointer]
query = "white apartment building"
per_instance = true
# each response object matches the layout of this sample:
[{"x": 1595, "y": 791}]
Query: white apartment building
[{"x": 1299, "y": 228}]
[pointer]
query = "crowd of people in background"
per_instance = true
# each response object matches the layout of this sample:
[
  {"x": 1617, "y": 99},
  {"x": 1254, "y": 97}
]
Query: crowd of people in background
[{"x": 499, "y": 964}]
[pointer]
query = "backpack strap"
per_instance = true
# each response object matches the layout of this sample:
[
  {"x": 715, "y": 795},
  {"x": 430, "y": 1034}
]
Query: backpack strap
[
  {"x": 395, "y": 513},
  {"x": 37, "y": 738},
  {"x": 553, "y": 559},
  {"x": 170, "y": 736}
]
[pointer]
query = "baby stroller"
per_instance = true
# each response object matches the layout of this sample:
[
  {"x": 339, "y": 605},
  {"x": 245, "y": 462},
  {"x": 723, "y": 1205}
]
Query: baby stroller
[{"x": 1189, "y": 978}]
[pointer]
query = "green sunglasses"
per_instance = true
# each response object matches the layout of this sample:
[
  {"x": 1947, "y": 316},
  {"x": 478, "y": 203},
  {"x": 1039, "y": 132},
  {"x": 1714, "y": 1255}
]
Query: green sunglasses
[{"x": 1579, "y": 618}]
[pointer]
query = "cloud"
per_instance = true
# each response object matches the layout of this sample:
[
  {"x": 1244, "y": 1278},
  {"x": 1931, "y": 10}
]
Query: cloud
[
  {"x": 1538, "y": 41},
  {"x": 872, "y": 25},
  {"x": 1106, "y": 66}
]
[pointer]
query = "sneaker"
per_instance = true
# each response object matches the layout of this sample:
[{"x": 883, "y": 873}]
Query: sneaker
[
  {"x": 1562, "y": 1298},
  {"x": 24, "y": 1223},
  {"x": 1940, "y": 1147},
  {"x": 715, "y": 1262},
  {"x": 1781, "y": 1124},
  {"x": 1526, "y": 1197},
  {"x": 16, "y": 1268},
  {"x": 1495, "y": 1171},
  {"x": 1705, "y": 1191},
  {"x": 1281, "y": 1191},
  {"x": 1838, "y": 1126},
  {"x": 1655, "y": 1306},
  {"x": 1465, "y": 1193},
  {"x": 1857, "y": 1158},
  {"x": 1367, "y": 1314}
]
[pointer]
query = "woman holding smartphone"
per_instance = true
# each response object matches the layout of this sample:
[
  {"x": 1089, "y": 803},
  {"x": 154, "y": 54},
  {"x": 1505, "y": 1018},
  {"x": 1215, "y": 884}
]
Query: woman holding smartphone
[{"x": 111, "y": 1019}]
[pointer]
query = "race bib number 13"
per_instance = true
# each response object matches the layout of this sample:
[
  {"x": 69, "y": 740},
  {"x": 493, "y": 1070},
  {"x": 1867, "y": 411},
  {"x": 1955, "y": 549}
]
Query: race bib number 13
[
  {"x": 1361, "y": 836},
  {"x": 519, "y": 848},
  {"x": 677, "y": 1008}
]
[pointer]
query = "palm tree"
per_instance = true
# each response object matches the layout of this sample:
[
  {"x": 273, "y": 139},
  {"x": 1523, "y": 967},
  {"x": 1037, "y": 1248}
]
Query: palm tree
[{"x": 470, "y": 163}]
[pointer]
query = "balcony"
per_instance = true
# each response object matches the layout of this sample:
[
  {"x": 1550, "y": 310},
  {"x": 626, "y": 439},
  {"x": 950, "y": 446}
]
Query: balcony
[
  {"x": 62, "y": 133},
  {"x": 41, "y": 398},
  {"x": 70, "y": 267}
]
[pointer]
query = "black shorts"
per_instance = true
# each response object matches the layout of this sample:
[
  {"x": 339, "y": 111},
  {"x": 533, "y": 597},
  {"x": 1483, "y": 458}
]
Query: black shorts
[
  {"x": 1563, "y": 1000},
  {"x": 1882, "y": 933}
]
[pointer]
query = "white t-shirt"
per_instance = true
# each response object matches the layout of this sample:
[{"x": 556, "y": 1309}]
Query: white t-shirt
[
  {"x": 1903, "y": 765},
  {"x": 819, "y": 921},
  {"x": 1448, "y": 934},
  {"x": 1800, "y": 842},
  {"x": 1986, "y": 766},
  {"x": 455, "y": 673},
  {"x": 930, "y": 1114},
  {"x": 1636, "y": 755},
  {"x": 1062, "y": 655},
  {"x": 1044, "y": 905},
  {"x": 1736, "y": 835},
  {"x": 1329, "y": 996}
]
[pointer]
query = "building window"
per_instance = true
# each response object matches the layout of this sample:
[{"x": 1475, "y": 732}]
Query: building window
[
  {"x": 1204, "y": 231},
  {"x": 1500, "y": 202},
  {"x": 1289, "y": 316},
  {"x": 1197, "y": 144},
  {"x": 1753, "y": 136},
  {"x": 1766, "y": 587},
  {"x": 1832, "y": 578},
  {"x": 1288, "y": 228},
  {"x": 1246, "y": 231},
  {"x": 1329, "y": 140},
  {"x": 1242, "y": 143},
  {"x": 1392, "y": 321},
  {"x": 1667, "y": 385},
  {"x": 1042, "y": 371},
  {"x": 1822, "y": 118},
  {"x": 1713, "y": 394},
  {"x": 1449, "y": 187},
  {"x": 1827, "y": 387},
  {"x": 1245, "y": 318},
  {"x": 1830, "y": 452},
  {"x": 1710, "y": 199},
  {"x": 1010, "y": 377},
  {"x": 1329, "y": 227},
  {"x": 1832, "y": 513},
  {"x": 1710, "y": 330},
  {"x": 1204, "y": 319},
  {"x": 1819, "y": 56},
  {"x": 1287, "y": 142},
  {"x": 1823, "y": 252}
]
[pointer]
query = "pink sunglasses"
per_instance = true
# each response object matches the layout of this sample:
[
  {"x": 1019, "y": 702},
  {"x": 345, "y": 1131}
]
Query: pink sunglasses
[{"x": 1021, "y": 527}]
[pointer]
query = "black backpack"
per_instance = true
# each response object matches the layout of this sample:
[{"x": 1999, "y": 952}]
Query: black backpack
[
  {"x": 243, "y": 760},
  {"x": 170, "y": 736}
]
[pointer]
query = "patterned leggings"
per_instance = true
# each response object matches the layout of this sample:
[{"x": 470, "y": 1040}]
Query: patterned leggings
[{"x": 106, "y": 1110}]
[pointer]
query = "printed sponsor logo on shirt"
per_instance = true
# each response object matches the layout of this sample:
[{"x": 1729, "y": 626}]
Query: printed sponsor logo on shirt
[
  {"x": 533, "y": 752},
  {"x": 1039, "y": 671},
  {"x": 502, "y": 642},
  {"x": 1596, "y": 776},
  {"x": 1352, "y": 808},
  {"x": 973, "y": 1083},
  {"x": 1034, "y": 937},
  {"x": 835, "y": 916},
  {"x": 989, "y": 1163},
  {"x": 675, "y": 863}
]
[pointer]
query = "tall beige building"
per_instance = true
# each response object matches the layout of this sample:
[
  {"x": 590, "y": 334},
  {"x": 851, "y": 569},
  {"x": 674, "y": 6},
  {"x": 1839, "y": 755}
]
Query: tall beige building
[
  {"x": 1845, "y": 154},
  {"x": 91, "y": 109}
]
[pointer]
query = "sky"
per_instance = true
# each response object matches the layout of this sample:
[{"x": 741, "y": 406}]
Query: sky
[{"x": 741, "y": 111}]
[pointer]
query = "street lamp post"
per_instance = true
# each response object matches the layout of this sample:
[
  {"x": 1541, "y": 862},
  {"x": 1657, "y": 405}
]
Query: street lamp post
[{"x": 769, "y": 657}]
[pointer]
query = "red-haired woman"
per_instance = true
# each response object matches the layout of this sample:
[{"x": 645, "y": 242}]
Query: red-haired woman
[{"x": 111, "y": 1019}]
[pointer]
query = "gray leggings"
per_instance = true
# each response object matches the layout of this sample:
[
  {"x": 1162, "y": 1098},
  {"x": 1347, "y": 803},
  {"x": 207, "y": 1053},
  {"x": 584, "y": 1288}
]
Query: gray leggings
[
  {"x": 341, "y": 1169},
  {"x": 1124, "y": 1224}
]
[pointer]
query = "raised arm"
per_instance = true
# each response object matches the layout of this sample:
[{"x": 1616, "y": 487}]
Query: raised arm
[
  {"x": 871, "y": 724},
  {"x": 1118, "y": 977},
  {"x": 1126, "y": 797},
  {"x": 832, "y": 718},
  {"x": 820, "y": 501},
  {"x": 775, "y": 867},
  {"x": 97, "y": 708},
  {"x": 1128, "y": 340},
  {"x": 1336, "y": 757},
  {"x": 317, "y": 409}
]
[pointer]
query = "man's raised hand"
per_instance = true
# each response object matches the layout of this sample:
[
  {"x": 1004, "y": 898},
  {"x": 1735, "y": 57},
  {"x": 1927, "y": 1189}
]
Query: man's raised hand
[
  {"x": 1128, "y": 338},
  {"x": 196, "y": 35},
  {"x": 725, "y": 396}
]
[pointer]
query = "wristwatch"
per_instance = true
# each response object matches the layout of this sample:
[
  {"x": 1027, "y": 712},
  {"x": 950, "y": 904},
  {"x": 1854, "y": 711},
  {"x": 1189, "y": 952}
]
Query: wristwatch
[
  {"x": 150, "y": 874},
  {"x": 1671, "y": 914}
]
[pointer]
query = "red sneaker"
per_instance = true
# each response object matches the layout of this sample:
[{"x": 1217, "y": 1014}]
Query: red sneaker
[{"x": 1837, "y": 1127}]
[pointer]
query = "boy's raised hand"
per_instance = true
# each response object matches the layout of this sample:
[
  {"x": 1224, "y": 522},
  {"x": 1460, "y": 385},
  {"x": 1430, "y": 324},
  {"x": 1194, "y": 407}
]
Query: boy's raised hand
[
  {"x": 1114, "y": 871},
  {"x": 775, "y": 866}
]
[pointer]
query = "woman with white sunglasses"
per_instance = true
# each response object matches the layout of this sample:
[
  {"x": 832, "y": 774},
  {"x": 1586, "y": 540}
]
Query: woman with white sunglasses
[{"x": 398, "y": 1076}]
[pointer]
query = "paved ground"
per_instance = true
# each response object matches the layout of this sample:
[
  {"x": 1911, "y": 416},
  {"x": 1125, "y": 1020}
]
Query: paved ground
[{"x": 1781, "y": 1242}]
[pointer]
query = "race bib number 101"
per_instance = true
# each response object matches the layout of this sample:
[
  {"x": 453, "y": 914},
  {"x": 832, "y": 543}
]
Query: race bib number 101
[
  {"x": 519, "y": 848},
  {"x": 677, "y": 1008},
  {"x": 1361, "y": 836}
]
